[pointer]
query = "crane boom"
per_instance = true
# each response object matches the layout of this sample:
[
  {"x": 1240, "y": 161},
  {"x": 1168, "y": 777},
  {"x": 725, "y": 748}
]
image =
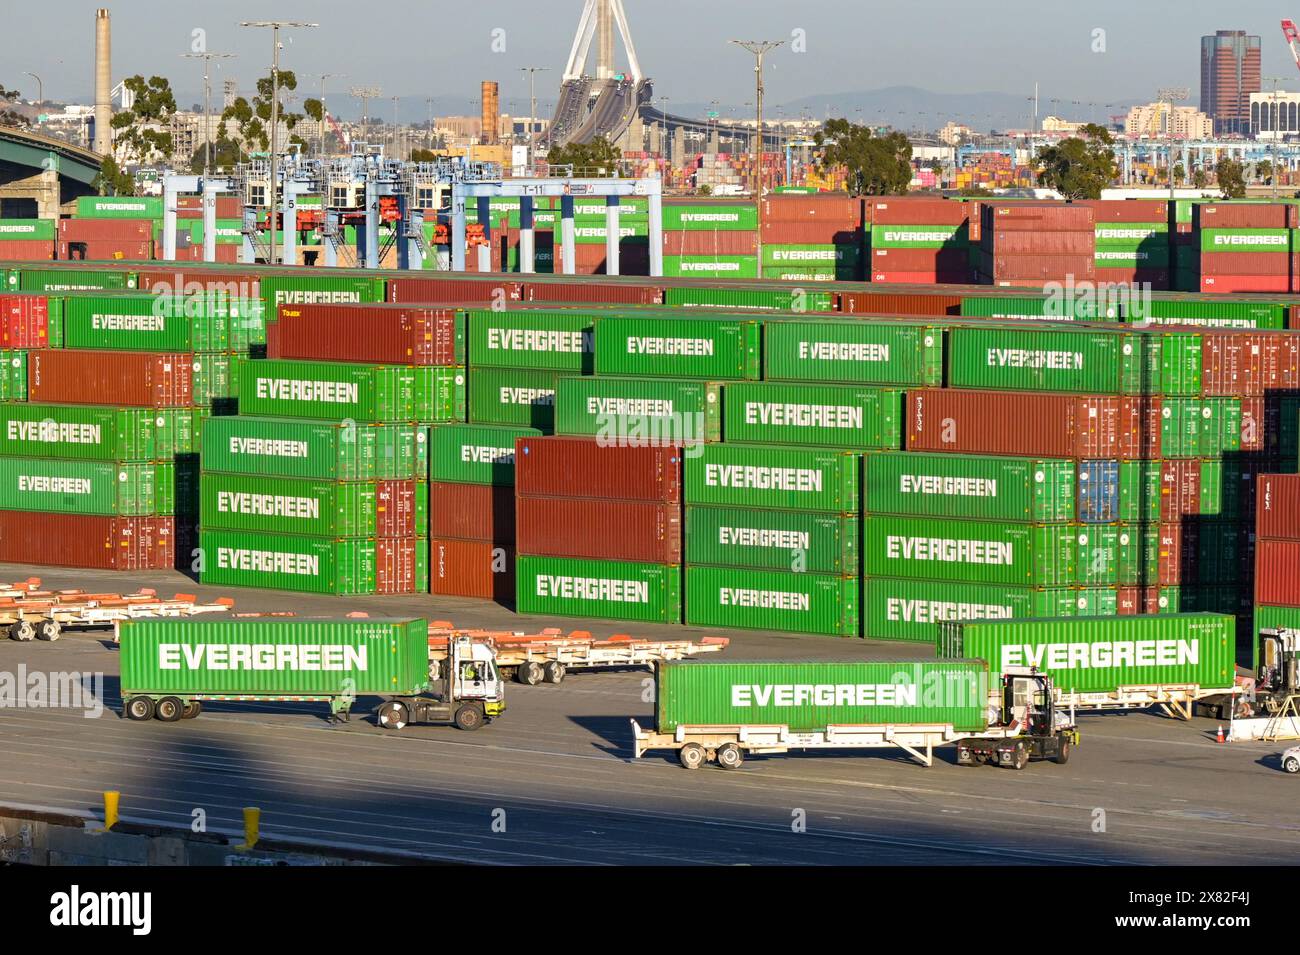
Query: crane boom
[{"x": 1292, "y": 35}]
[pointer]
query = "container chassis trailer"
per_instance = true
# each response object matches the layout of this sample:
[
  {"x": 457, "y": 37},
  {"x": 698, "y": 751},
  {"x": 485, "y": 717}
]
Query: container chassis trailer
[{"x": 29, "y": 613}]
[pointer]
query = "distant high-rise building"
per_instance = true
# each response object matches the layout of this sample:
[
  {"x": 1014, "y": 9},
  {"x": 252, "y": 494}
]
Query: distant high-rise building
[{"x": 1230, "y": 72}]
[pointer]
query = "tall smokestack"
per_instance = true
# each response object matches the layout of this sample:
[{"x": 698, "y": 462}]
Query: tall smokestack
[
  {"x": 103, "y": 83},
  {"x": 491, "y": 113}
]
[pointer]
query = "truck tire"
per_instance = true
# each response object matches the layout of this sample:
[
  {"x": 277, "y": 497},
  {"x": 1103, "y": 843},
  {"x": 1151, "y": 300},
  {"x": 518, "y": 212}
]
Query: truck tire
[
  {"x": 730, "y": 756},
  {"x": 554, "y": 672},
  {"x": 169, "y": 709},
  {"x": 1291, "y": 764},
  {"x": 192, "y": 709},
  {"x": 1063, "y": 746},
  {"x": 138, "y": 708},
  {"x": 22, "y": 630},
  {"x": 529, "y": 673},
  {"x": 392, "y": 715},
  {"x": 691, "y": 755},
  {"x": 1022, "y": 757},
  {"x": 435, "y": 670},
  {"x": 468, "y": 717},
  {"x": 49, "y": 630}
]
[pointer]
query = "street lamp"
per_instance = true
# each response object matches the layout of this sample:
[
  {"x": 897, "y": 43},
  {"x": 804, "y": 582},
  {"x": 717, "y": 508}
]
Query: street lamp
[
  {"x": 1276, "y": 123},
  {"x": 323, "y": 112},
  {"x": 759, "y": 49},
  {"x": 207, "y": 59},
  {"x": 366, "y": 94},
  {"x": 1169, "y": 96},
  {"x": 275, "y": 26},
  {"x": 40, "y": 89},
  {"x": 532, "y": 72}
]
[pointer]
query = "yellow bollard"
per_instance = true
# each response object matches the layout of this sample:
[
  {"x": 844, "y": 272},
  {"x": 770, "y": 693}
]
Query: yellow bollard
[
  {"x": 252, "y": 820},
  {"x": 111, "y": 799}
]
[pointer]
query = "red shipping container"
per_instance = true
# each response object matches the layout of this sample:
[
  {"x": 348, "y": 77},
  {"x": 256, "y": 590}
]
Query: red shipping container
[
  {"x": 947, "y": 261},
  {"x": 395, "y": 509},
  {"x": 1038, "y": 268},
  {"x": 1245, "y": 283},
  {"x": 613, "y": 292},
  {"x": 1246, "y": 263},
  {"x": 1024, "y": 423},
  {"x": 715, "y": 242},
  {"x": 1277, "y": 572},
  {"x": 134, "y": 379},
  {"x": 872, "y": 302},
  {"x": 377, "y": 334},
  {"x": 921, "y": 278},
  {"x": 644, "y": 531},
  {"x": 228, "y": 207},
  {"x": 1254, "y": 215},
  {"x": 806, "y": 233},
  {"x": 193, "y": 280},
  {"x": 225, "y": 254},
  {"x": 1034, "y": 217},
  {"x": 24, "y": 321},
  {"x": 905, "y": 210},
  {"x": 111, "y": 230},
  {"x": 586, "y": 467},
  {"x": 1042, "y": 243},
  {"x": 27, "y": 250},
  {"x": 1180, "y": 488},
  {"x": 273, "y": 340},
  {"x": 482, "y": 512},
  {"x": 1176, "y": 552},
  {"x": 1245, "y": 363},
  {"x": 1277, "y": 509},
  {"x": 845, "y": 211},
  {"x": 105, "y": 251},
  {"x": 87, "y": 540},
  {"x": 1158, "y": 279},
  {"x": 462, "y": 568},
  {"x": 395, "y": 560},
  {"x": 453, "y": 289},
  {"x": 1126, "y": 210}
]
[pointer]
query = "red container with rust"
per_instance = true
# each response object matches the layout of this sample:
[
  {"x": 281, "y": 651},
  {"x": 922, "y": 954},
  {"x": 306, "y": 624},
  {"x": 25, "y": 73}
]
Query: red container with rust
[
  {"x": 1255, "y": 215},
  {"x": 1277, "y": 572},
  {"x": 467, "y": 568},
  {"x": 585, "y": 468},
  {"x": 135, "y": 379},
  {"x": 24, "y": 321},
  {"x": 105, "y": 250},
  {"x": 1249, "y": 364},
  {"x": 907, "y": 210},
  {"x": 843, "y": 210},
  {"x": 715, "y": 242},
  {"x": 472, "y": 511},
  {"x": 920, "y": 278},
  {"x": 1043, "y": 243},
  {"x": 375, "y": 334},
  {"x": 644, "y": 531},
  {"x": 879, "y": 302},
  {"x": 27, "y": 250},
  {"x": 413, "y": 291},
  {"x": 1014, "y": 267},
  {"x": 1033, "y": 217},
  {"x": 803, "y": 233},
  {"x": 87, "y": 540},
  {"x": 1180, "y": 488},
  {"x": 949, "y": 261},
  {"x": 1026, "y": 423},
  {"x": 1277, "y": 507},
  {"x": 395, "y": 509},
  {"x": 395, "y": 562},
  {"x": 113, "y": 230}
]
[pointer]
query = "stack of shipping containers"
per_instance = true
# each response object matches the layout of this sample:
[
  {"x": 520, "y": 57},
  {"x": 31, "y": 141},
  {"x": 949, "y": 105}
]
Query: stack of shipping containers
[
  {"x": 920, "y": 241},
  {"x": 1132, "y": 242},
  {"x": 1246, "y": 248},
  {"x": 812, "y": 238},
  {"x": 1031, "y": 244},
  {"x": 710, "y": 239},
  {"x": 27, "y": 240},
  {"x": 1277, "y": 555}
]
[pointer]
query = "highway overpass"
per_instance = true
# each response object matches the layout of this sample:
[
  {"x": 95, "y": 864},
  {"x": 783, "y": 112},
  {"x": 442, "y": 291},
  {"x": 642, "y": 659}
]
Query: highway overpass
[{"x": 39, "y": 174}]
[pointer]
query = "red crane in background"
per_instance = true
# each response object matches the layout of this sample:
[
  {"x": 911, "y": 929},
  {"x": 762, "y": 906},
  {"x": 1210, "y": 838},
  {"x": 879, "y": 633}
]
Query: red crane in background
[{"x": 1292, "y": 35}]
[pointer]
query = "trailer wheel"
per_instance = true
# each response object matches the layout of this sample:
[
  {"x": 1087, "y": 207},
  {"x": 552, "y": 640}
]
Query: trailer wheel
[
  {"x": 139, "y": 708},
  {"x": 730, "y": 756},
  {"x": 169, "y": 709},
  {"x": 529, "y": 673},
  {"x": 1062, "y": 750},
  {"x": 435, "y": 670},
  {"x": 469, "y": 717},
  {"x": 1022, "y": 757},
  {"x": 49, "y": 630},
  {"x": 392, "y": 715},
  {"x": 691, "y": 755},
  {"x": 554, "y": 672},
  {"x": 1291, "y": 764},
  {"x": 192, "y": 709},
  {"x": 22, "y": 630}
]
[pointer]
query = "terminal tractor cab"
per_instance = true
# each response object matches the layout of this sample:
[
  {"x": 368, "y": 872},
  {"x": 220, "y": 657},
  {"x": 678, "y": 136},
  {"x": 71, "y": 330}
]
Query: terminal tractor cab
[
  {"x": 1036, "y": 726},
  {"x": 465, "y": 689}
]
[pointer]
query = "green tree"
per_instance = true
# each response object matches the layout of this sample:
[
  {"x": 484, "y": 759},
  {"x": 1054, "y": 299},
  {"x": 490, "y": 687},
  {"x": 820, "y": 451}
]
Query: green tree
[
  {"x": 252, "y": 118},
  {"x": 877, "y": 165},
  {"x": 973, "y": 191},
  {"x": 1264, "y": 171},
  {"x": 1232, "y": 179},
  {"x": 144, "y": 130},
  {"x": 705, "y": 190},
  {"x": 1199, "y": 178},
  {"x": 598, "y": 158},
  {"x": 1079, "y": 167},
  {"x": 112, "y": 179},
  {"x": 10, "y": 117},
  {"x": 225, "y": 155},
  {"x": 1179, "y": 172}
]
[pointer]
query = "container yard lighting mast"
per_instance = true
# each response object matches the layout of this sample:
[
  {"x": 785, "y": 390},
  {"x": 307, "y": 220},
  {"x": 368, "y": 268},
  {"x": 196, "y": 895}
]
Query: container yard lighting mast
[
  {"x": 1169, "y": 96},
  {"x": 324, "y": 115},
  {"x": 207, "y": 59},
  {"x": 275, "y": 26},
  {"x": 760, "y": 49}
]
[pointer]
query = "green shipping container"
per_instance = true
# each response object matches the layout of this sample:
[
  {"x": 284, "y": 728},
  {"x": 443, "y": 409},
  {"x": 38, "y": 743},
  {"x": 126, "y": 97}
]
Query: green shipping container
[
  {"x": 1199, "y": 427},
  {"x": 475, "y": 453},
  {"x": 1102, "y": 654},
  {"x": 666, "y": 409},
  {"x": 835, "y": 257},
  {"x": 1025, "y": 359},
  {"x": 1048, "y": 307},
  {"x": 556, "y": 340},
  {"x": 867, "y": 353},
  {"x": 338, "y": 509},
  {"x": 342, "y": 390},
  {"x": 836, "y": 415},
  {"x": 809, "y": 697},
  {"x": 813, "y": 479},
  {"x": 319, "y": 290},
  {"x": 783, "y": 300},
  {"x": 178, "y": 431},
  {"x": 772, "y": 600},
  {"x": 78, "y": 431},
  {"x": 523, "y": 397},
  {"x": 13, "y": 375},
  {"x": 791, "y": 541},
  {"x": 612, "y": 589},
  {"x": 52, "y": 485},
  {"x": 119, "y": 207},
  {"x": 1214, "y": 311},
  {"x": 679, "y": 347},
  {"x": 146, "y": 322},
  {"x": 287, "y": 447},
  {"x": 710, "y": 218},
  {"x": 970, "y": 486},
  {"x": 1130, "y": 233},
  {"x": 711, "y": 266},
  {"x": 1245, "y": 240},
  {"x": 920, "y": 237},
  {"x": 287, "y": 562},
  {"x": 274, "y": 658},
  {"x": 71, "y": 280},
  {"x": 30, "y": 230}
]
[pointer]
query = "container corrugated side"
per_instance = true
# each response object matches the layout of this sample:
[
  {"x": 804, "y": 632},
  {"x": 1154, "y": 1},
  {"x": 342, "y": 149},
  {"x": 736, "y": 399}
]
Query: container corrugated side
[
  {"x": 585, "y": 467},
  {"x": 860, "y": 352},
  {"x": 314, "y": 507},
  {"x": 1103, "y": 654},
  {"x": 678, "y": 348},
  {"x": 971, "y": 486},
  {"x": 294, "y": 447},
  {"x": 1025, "y": 359},
  {"x": 475, "y": 453},
  {"x": 339, "y": 391},
  {"x": 835, "y": 415},
  {"x": 667, "y": 410},
  {"x": 146, "y": 322},
  {"x": 555, "y": 340},
  {"x": 287, "y": 562},
  {"x": 84, "y": 487},
  {"x": 84, "y": 432},
  {"x": 615, "y": 590},
  {"x": 815, "y": 479},
  {"x": 802, "y": 541},
  {"x": 284, "y": 289},
  {"x": 809, "y": 696},
  {"x": 772, "y": 600},
  {"x": 513, "y": 396},
  {"x": 796, "y": 300},
  {"x": 275, "y": 657}
]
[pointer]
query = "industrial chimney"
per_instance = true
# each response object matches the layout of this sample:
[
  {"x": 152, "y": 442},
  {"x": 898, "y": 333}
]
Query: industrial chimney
[
  {"x": 491, "y": 121},
  {"x": 103, "y": 83}
]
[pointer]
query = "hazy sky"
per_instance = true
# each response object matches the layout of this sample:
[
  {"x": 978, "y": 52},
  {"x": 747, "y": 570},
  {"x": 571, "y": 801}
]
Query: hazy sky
[{"x": 444, "y": 48}]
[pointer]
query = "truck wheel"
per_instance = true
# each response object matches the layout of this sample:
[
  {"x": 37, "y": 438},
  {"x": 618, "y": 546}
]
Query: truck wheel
[
  {"x": 1062, "y": 750},
  {"x": 554, "y": 672},
  {"x": 22, "y": 630},
  {"x": 139, "y": 708},
  {"x": 192, "y": 709},
  {"x": 435, "y": 670},
  {"x": 392, "y": 716},
  {"x": 469, "y": 717},
  {"x": 1291, "y": 764},
  {"x": 1022, "y": 758},
  {"x": 169, "y": 709},
  {"x": 529, "y": 673},
  {"x": 691, "y": 755},
  {"x": 49, "y": 630},
  {"x": 730, "y": 756}
]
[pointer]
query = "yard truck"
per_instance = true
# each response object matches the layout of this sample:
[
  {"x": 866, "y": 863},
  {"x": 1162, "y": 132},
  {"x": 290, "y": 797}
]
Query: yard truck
[
  {"x": 1265, "y": 692},
  {"x": 724, "y": 711},
  {"x": 171, "y": 667},
  {"x": 1167, "y": 661}
]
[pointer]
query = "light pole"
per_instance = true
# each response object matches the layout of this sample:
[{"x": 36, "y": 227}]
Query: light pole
[
  {"x": 428, "y": 111},
  {"x": 275, "y": 26},
  {"x": 323, "y": 111},
  {"x": 532, "y": 72},
  {"x": 366, "y": 94},
  {"x": 1276, "y": 123},
  {"x": 759, "y": 49},
  {"x": 1169, "y": 96},
  {"x": 40, "y": 89},
  {"x": 395, "y": 99},
  {"x": 207, "y": 59}
]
